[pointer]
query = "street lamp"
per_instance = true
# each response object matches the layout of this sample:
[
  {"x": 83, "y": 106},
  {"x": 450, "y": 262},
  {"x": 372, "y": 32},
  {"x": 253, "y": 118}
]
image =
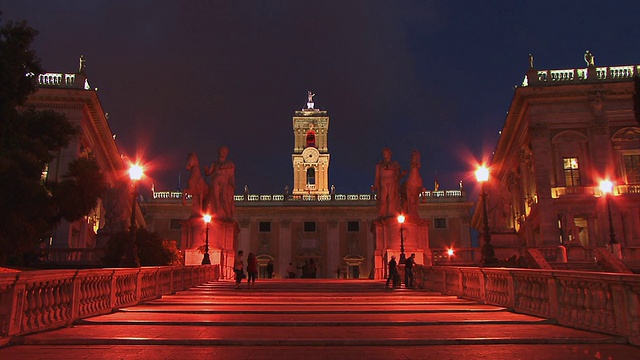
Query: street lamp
[
  {"x": 606, "y": 186},
  {"x": 206, "y": 260},
  {"x": 488, "y": 254},
  {"x": 130, "y": 258},
  {"x": 403, "y": 258}
]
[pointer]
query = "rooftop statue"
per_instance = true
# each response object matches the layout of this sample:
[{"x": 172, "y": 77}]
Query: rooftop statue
[
  {"x": 82, "y": 65},
  {"x": 589, "y": 58},
  {"x": 531, "y": 61},
  {"x": 222, "y": 187},
  {"x": 387, "y": 185},
  {"x": 197, "y": 187}
]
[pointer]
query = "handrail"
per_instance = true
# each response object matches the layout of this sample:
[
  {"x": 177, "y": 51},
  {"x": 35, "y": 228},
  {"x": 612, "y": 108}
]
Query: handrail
[
  {"x": 595, "y": 301},
  {"x": 40, "y": 300}
]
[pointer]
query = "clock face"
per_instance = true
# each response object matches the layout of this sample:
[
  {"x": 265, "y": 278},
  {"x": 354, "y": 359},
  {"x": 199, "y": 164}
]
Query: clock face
[{"x": 310, "y": 155}]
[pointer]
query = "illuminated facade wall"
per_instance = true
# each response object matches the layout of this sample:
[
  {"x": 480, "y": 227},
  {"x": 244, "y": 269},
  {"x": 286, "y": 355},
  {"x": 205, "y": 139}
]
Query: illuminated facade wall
[
  {"x": 566, "y": 130},
  {"x": 70, "y": 94}
]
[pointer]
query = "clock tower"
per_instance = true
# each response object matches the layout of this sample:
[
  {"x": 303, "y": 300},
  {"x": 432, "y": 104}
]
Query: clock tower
[{"x": 310, "y": 153}]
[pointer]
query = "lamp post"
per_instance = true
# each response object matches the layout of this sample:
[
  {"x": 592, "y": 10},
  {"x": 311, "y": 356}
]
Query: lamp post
[
  {"x": 488, "y": 254},
  {"x": 403, "y": 258},
  {"x": 606, "y": 186},
  {"x": 130, "y": 258},
  {"x": 206, "y": 260}
]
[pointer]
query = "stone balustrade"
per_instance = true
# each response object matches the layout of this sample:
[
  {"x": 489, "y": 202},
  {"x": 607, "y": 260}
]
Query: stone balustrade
[
  {"x": 62, "y": 80},
  {"x": 33, "y": 301},
  {"x": 425, "y": 196},
  {"x": 602, "y": 73},
  {"x": 595, "y": 301}
]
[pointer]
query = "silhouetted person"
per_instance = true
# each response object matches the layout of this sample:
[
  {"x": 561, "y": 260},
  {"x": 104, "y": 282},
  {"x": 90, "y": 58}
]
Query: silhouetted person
[
  {"x": 252, "y": 270},
  {"x": 393, "y": 277},
  {"x": 270, "y": 269},
  {"x": 238, "y": 268},
  {"x": 408, "y": 271}
]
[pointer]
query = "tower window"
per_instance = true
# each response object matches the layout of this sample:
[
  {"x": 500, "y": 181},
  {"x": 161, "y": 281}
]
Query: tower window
[
  {"x": 571, "y": 171},
  {"x": 311, "y": 138},
  {"x": 632, "y": 168},
  {"x": 309, "y": 226},
  {"x": 311, "y": 176},
  {"x": 353, "y": 226}
]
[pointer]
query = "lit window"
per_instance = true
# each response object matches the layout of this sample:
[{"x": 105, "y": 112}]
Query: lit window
[
  {"x": 45, "y": 173},
  {"x": 632, "y": 168},
  {"x": 571, "y": 171},
  {"x": 440, "y": 223}
]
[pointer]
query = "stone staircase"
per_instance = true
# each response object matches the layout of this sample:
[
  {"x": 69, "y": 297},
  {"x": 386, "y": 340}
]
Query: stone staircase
[{"x": 315, "y": 319}]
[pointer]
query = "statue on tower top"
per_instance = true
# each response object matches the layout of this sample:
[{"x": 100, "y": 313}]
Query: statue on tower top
[{"x": 310, "y": 96}]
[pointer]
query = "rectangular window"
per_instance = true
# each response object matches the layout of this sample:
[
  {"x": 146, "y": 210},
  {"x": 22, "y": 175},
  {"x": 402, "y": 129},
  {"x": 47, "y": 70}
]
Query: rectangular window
[
  {"x": 175, "y": 224},
  {"x": 309, "y": 226},
  {"x": 571, "y": 171},
  {"x": 632, "y": 168},
  {"x": 440, "y": 223},
  {"x": 353, "y": 226},
  {"x": 265, "y": 226}
]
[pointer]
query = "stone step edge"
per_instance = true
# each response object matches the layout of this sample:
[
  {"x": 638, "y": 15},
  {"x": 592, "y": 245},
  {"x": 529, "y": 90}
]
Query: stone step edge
[
  {"x": 26, "y": 340},
  {"x": 313, "y": 323}
]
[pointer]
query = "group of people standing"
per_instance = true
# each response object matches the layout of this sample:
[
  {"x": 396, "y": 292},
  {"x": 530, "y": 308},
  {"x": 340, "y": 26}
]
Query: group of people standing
[{"x": 394, "y": 275}]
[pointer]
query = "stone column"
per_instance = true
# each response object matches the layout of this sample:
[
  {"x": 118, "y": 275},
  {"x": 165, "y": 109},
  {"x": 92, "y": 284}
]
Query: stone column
[
  {"x": 285, "y": 246},
  {"x": 542, "y": 151},
  {"x": 333, "y": 247}
]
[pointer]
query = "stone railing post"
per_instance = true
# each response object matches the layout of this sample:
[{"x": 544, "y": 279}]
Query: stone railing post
[
  {"x": 76, "y": 296},
  {"x": 114, "y": 289},
  {"x": 138, "y": 285},
  {"x": 15, "y": 301}
]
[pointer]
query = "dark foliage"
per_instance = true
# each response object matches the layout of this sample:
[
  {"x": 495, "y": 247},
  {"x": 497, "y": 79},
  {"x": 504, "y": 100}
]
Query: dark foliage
[
  {"x": 29, "y": 140},
  {"x": 152, "y": 250}
]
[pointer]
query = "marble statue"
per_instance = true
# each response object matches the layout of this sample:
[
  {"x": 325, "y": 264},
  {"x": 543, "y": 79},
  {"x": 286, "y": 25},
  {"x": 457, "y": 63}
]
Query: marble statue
[
  {"x": 196, "y": 186},
  {"x": 412, "y": 187},
  {"x": 589, "y": 58},
  {"x": 222, "y": 186},
  {"x": 387, "y": 185},
  {"x": 82, "y": 64}
]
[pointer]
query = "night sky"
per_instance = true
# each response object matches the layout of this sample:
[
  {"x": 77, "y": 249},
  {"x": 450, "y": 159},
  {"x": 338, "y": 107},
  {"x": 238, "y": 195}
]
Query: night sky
[{"x": 436, "y": 76}]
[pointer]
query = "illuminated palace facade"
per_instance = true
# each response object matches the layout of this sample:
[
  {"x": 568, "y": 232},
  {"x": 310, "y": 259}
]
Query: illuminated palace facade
[
  {"x": 567, "y": 131},
  {"x": 70, "y": 94},
  {"x": 309, "y": 221}
]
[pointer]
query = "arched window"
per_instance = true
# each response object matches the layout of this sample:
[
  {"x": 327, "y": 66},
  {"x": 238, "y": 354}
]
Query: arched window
[
  {"x": 311, "y": 176},
  {"x": 311, "y": 138}
]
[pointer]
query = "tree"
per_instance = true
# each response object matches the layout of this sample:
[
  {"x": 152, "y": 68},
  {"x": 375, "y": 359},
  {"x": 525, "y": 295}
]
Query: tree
[
  {"x": 152, "y": 249},
  {"x": 29, "y": 139}
]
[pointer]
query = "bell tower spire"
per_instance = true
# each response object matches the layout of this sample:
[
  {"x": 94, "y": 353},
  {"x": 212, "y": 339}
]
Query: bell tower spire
[{"x": 310, "y": 152}]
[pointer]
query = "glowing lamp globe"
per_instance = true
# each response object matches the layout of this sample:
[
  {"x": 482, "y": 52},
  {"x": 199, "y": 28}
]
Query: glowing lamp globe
[
  {"x": 135, "y": 172},
  {"x": 482, "y": 174},
  {"x": 606, "y": 186}
]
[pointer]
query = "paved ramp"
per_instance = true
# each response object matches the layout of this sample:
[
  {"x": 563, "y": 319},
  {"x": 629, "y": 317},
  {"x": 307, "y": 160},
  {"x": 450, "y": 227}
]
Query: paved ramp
[{"x": 316, "y": 319}]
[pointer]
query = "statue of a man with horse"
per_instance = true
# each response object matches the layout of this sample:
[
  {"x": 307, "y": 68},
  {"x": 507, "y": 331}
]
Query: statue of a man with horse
[
  {"x": 197, "y": 187},
  {"x": 216, "y": 198}
]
